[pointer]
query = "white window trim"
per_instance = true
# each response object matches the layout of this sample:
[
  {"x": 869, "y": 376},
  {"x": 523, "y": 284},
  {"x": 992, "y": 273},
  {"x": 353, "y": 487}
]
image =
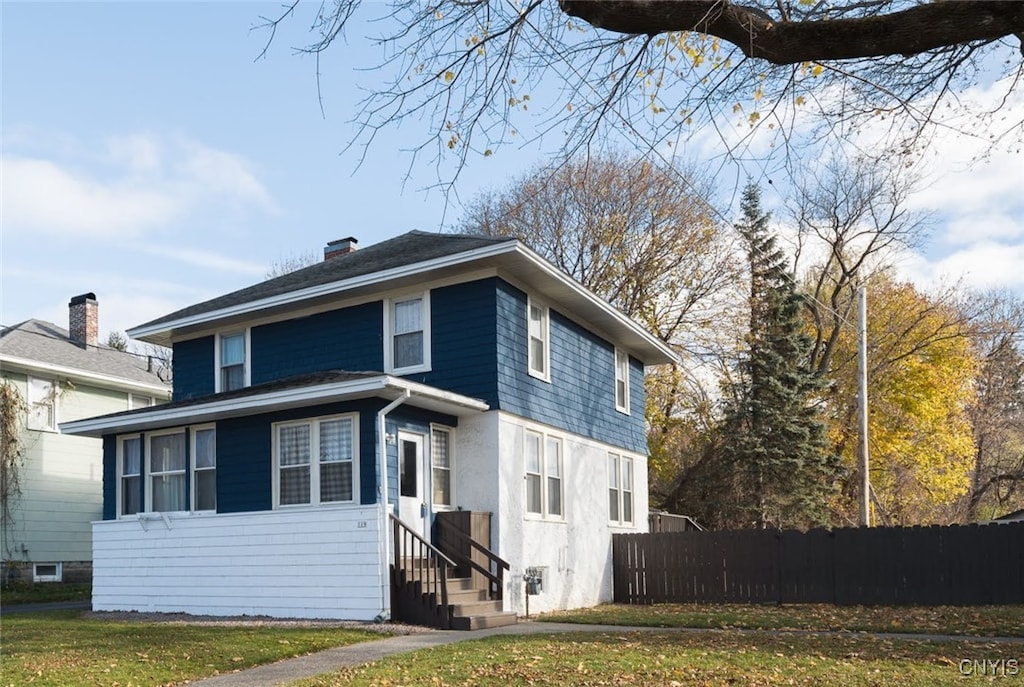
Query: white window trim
[
  {"x": 624, "y": 465},
  {"x": 54, "y": 393},
  {"x": 623, "y": 407},
  {"x": 119, "y": 457},
  {"x": 56, "y": 577},
  {"x": 314, "y": 464},
  {"x": 389, "y": 333},
  {"x": 247, "y": 365},
  {"x": 451, "y": 468},
  {"x": 531, "y": 303},
  {"x": 193, "y": 470},
  {"x": 147, "y": 474},
  {"x": 544, "y": 475}
]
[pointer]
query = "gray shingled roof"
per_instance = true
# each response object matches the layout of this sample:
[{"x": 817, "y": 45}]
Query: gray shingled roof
[
  {"x": 407, "y": 249},
  {"x": 48, "y": 344}
]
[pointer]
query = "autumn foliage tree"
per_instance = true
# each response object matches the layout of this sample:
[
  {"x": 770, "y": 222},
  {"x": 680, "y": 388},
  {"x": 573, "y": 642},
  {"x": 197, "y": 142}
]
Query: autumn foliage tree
[{"x": 921, "y": 368}]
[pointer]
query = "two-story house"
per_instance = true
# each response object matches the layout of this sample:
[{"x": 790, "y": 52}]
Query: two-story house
[
  {"x": 326, "y": 421},
  {"x": 62, "y": 375}
]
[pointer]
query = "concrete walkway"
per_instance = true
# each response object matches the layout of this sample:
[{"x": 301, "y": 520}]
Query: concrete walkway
[{"x": 330, "y": 660}]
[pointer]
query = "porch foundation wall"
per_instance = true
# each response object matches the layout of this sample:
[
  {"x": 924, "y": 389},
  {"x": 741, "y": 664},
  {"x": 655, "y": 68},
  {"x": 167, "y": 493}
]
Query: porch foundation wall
[{"x": 304, "y": 563}]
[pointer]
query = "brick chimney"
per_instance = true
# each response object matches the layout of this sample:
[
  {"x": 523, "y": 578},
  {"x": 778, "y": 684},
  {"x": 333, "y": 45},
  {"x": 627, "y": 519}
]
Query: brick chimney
[
  {"x": 84, "y": 319},
  {"x": 340, "y": 247}
]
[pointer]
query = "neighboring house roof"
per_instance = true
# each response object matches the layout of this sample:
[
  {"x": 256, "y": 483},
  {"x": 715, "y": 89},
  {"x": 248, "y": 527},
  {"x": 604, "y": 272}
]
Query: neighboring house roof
[
  {"x": 1015, "y": 516},
  {"x": 401, "y": 262},
  {"x": 35, "y": 345},
  {"x": 300, "y": 390}
]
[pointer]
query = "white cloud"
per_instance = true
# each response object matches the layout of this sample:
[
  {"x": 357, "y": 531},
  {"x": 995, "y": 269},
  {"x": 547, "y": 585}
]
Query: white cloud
[
  {"x": 208, "y": 259},
  {"x": 40, "y": 196},
  {"x": 137, "y": 183},
  {"x": 980, "y": 266}
]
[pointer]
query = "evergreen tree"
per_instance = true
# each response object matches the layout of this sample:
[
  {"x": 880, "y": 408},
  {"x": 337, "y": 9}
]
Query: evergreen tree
[{"x": 774, "y": 443}]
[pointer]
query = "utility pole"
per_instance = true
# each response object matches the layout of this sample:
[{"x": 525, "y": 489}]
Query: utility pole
[{"x": 862, "y": 405}]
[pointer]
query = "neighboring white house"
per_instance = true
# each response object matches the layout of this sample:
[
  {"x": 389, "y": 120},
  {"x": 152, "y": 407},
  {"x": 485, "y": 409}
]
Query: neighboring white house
[{"x": 63, "y": 376}]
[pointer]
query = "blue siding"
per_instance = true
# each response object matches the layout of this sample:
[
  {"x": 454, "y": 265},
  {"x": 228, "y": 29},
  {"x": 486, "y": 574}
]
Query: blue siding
[
  {"x": 463, "y": 327},
  {"x": 345, "y": 339},
  {"x": 110, "y": 477},
  {"x": 193, "y": 368},
  {"x": 581, "y": 395},
  {"x": 245, "y": 459}
]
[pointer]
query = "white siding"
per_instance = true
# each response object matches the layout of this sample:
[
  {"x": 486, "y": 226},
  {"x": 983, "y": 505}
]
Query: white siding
[
  {"x": 575, "y": 551},
  {"x": 308, "y": 563}
]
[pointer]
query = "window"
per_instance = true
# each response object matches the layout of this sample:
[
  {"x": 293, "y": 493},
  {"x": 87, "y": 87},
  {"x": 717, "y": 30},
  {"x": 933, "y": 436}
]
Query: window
[
  {"x": 46, "y": 572},
  {"x": 42, "y": 404},
  {"x": 166, "y": 475},
  {"x": 136, "y": 401},
  {"x": 204, "y": 469},
  {"x": 329, "y": 474},
  {"x": 543, "y": 467},
  {"x": 232, "y": 355},
  {"x": 620, "y": 489},
  {"x": 539, "y": 351},
  {"x": 621, "y": 381},
  {"x": 553, "y": 474},
  {"x": 408, "y": 339},
  {"x": 441, "y": 464},
  {"x": 130, "y": 467}
]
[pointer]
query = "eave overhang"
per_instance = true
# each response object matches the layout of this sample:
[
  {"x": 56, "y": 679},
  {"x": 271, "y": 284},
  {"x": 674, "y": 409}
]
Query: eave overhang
[
  {"x": 510, "y": 259},
  {"x": 26, "y": 365},
  {"x": 381, "y": 386}
]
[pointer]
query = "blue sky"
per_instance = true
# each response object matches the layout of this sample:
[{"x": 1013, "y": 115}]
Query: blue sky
[{"x": 150, "y": 158}]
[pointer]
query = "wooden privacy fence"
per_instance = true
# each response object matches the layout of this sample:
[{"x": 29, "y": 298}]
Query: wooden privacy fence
[{"x": 955, "y": 565}]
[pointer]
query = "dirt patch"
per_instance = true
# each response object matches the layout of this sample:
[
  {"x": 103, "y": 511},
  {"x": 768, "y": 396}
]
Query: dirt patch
[{"x": 391, "y": 628}]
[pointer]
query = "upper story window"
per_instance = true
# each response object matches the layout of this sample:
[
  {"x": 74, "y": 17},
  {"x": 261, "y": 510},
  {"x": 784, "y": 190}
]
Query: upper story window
[
  {"x": 540, "y": 340},
  {"x": 232, "y": 361},
  {"x": 621, "y": 381},
  {"x": 620, "y": 489},
  {"x": 42, "y": 404},
  {"x": 544, "y": 469},
  {"x": 136, "y": 401},
  {"x": 407, "y": 335},
  {"x": 315, "y": 461},
  {"x": 204, "y": 468},
  {"x": 442, "y": 464}
]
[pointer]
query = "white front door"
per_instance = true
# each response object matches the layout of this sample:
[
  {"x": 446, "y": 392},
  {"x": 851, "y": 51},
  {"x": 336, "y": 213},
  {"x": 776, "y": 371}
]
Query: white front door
[{"x": 412, "y": 493}]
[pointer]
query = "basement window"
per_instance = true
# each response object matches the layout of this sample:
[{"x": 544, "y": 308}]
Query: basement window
[{"x": 46, "y": 572}]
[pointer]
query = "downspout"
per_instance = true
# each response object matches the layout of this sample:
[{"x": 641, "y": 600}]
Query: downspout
[{"x": 385, "y": 526}]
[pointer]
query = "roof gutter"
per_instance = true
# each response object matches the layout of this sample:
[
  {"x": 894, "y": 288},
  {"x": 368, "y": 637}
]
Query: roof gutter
[{"x": 385, "y": 540}]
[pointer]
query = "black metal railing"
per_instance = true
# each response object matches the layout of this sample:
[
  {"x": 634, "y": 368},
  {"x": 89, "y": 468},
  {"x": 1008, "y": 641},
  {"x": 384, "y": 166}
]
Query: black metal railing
[
  {"x": 493, "y": 572},
  {"x": 420, "y": 561}
]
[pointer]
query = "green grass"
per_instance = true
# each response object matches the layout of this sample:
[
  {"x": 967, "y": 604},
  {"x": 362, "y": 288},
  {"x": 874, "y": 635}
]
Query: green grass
[
  {"x": 986, "y": 621},
  {"x": 60, "y": 648},
  {"x": 674, "y": 659},
  {"x": 22, "y": 593}
]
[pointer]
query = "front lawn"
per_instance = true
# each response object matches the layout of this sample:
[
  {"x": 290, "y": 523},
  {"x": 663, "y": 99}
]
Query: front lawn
[
  {"x": 680, "y": 659},
  {"x": 986, "y": 621},
  {"x": 62, "y": 648}
]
